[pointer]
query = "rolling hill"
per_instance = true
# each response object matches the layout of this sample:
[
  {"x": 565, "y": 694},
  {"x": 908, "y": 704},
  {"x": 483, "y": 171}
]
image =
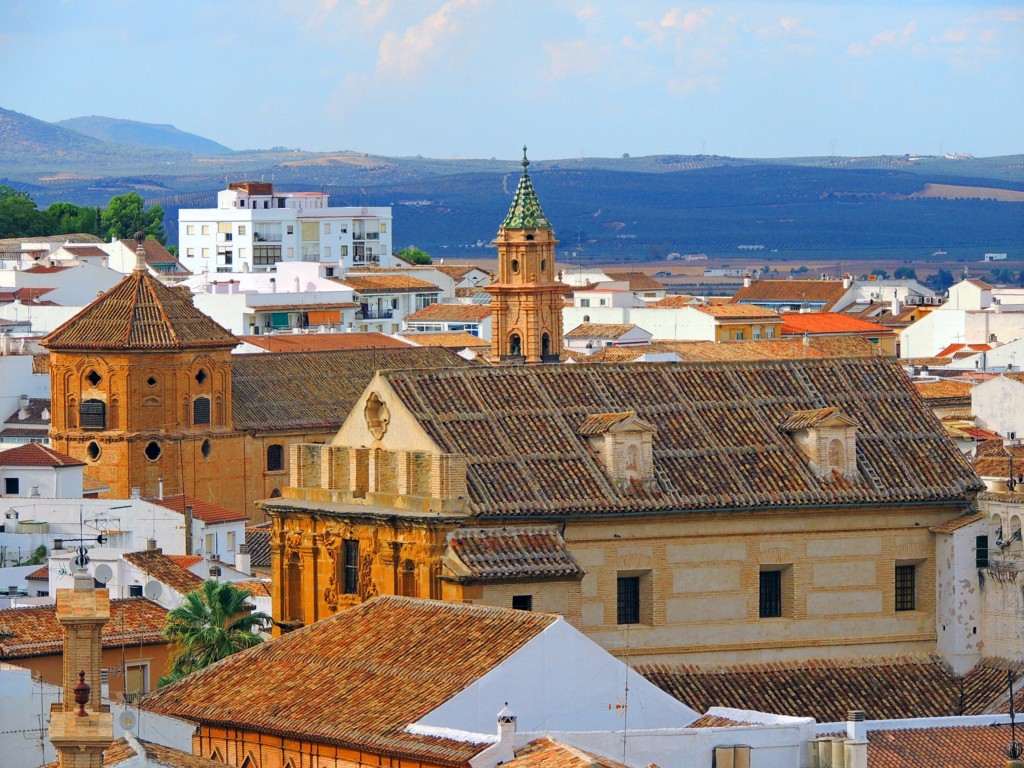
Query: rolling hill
[{"x": 134, "y": 134}]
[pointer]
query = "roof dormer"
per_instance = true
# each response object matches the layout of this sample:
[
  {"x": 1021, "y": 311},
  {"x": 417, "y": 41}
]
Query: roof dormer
[
  {"x": 624, "y": 443},
  {"x": 828, "y": 440}
]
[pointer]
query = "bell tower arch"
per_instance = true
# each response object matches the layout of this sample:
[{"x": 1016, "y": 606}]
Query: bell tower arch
[{"x": 527, "y": 299}]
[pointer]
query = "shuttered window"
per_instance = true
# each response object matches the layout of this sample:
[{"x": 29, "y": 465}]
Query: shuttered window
[
  {"x": 201, "y": 410},
  {"x": 93, "y": 414}
]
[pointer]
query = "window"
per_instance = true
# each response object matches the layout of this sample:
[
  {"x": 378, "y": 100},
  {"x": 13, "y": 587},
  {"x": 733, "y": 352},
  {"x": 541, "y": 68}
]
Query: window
[
  {"x": 134, "y": 590},
  {"x": 628, "y": 600},
  {"x": 231, "y": 541},
  {"x": 522, "y": 602},
  {"x": 93, "y": 414},
  {"x": 515, "y": 266},
  {"x": 739, "y": 336},
  {"x": 350, "y": 567},
  {"x": 241, "y": 229},
  {"x": 290, "y": 229},
  {"x": 201, "y": 410},
  {"x": 981, "y": 551},
  {"x": 327, "y": 228},
  {"x": 93, "y": 450},
  {"x": 756, "y": 332},
  {"x": 11, "y": 486},
  {"x": 136, "y": 679},
  {"x": 206, "y": 253},
  {"x": 152, "y": 450},
  {"x": 770, "y": 602},
  {"x": 584, "y": 302},
  {"x": 206, "y": 449},
  {"x": 905, "y": 587},
  {"x": 190, "y": 229},
  {"x": 275, "y": 458},
  {"x": 407, "y": 580},
  {"x": 200, "y": 376},
  {"x": 210, "y": 543},
  {"x": 93, "y": 378},
  {"x": 384, "y": 227},
  {"x": 206, "y": 229},
  {"x": 190, "y": 252}
]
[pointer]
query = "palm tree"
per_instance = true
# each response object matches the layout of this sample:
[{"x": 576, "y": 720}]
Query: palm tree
[{"x": 211, "y": 623}]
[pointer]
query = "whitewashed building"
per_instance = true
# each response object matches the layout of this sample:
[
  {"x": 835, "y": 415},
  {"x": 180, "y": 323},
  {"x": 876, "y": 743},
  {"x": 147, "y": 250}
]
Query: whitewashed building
[{"x": 254, "y": 227}]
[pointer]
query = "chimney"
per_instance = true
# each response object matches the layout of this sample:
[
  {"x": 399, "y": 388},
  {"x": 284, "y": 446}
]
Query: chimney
[
  {"x": 895, "y": 303},
  {"x": 273, "y": 285},
  {"x": 856, "y": 751},
  {"x": 136, "y": 493},
  {"x": 188, "y": 528},
  {"x": 215, "y": 572},
  {"x": 150, "y": 545},
  {"x": 160, "y": 488},
  {"x": 296, "y": 283},
  {"x": 746, "y": 280},
  {"x": 5, "y": 344},
  {"x": 243, "y": 561},
  {"x": 505, "y": 748},
  {"x": 847, "y": 281},
  {"x": 23, "y": 407}
]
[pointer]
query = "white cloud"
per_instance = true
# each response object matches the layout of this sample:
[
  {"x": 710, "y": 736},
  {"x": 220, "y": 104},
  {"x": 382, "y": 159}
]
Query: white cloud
[
  {"x": 404, "y": 54},
  {"x": 676, "y": 23},
  {"x": 685, "y": 86},
  {"x": 787, "y": 26},
  {"x": 891, "y": 37},
  {"x": 572, "y": 58}
]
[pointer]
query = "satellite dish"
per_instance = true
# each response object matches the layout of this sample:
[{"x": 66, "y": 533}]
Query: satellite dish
[
  {"x": 127, "y": 720},
  {"x": 103, "y": 573},
  {"x": 153, "y": 590}
]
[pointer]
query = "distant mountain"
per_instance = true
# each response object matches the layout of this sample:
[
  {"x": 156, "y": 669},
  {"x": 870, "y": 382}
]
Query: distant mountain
[
  {"x": 23, "y": 136},
  {"x": 146, "y": 135}
]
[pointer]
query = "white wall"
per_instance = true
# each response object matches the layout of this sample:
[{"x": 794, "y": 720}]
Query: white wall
[
  {"x": 682, "y": 324},
  {"x": 42, "y": 482},
  {"x": 958, "y": 612},
  {"x": 998, "y": 405},
  {"x": 17, "y": 379},
  {"x": 41, "y": 319},
  {"x": 25, "y": 718}
]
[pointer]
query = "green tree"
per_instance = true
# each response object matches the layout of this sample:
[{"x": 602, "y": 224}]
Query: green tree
[
  {"x": 64, "y": 218},
  {"x": 414, "y": 255},
  {"x": 126, "y": 215},
  {"x": 905, "y": 273},
  {"x": 941, "y": 280},
  {"x": 19, "y": 216},
  {"x": 210, "y": 624},
  {"x": 880, "y": 273}
]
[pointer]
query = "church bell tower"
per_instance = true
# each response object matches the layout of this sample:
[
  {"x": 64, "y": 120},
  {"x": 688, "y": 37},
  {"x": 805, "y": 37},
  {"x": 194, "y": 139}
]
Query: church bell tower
[{"x": 527, "y": 299}]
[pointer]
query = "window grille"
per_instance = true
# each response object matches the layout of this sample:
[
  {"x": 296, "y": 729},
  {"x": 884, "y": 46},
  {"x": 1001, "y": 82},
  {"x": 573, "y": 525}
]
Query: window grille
[
  {"x": 771, "y": 594},
  {"x": 628, "y": 607}
]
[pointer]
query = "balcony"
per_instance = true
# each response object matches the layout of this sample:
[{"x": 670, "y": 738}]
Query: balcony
[
  {"x": 266, "y": 237},
  {"x": 376, "y": 314}
]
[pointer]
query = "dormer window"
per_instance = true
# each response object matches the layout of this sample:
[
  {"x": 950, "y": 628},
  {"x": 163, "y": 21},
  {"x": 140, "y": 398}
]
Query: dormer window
[
  {"x": 827, "y": 439},
  {"x": 623, "y": 443}
]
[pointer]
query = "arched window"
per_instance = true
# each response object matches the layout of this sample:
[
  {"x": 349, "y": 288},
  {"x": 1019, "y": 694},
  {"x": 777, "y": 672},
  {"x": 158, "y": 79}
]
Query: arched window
[
  {"x": 201, "y": 411},
  {"x": 545, "y": 345},
  {"x": 293, "y": 595},
  {"x": 515, "y": 344},
  {"x": 275, "y": 458},
  {"x": 407, "y": 580},
  {"x": 93, "y": 414},
  {"x": 836, "y": 456}
]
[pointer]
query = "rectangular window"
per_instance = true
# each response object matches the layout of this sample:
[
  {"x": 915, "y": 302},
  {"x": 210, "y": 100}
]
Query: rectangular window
[
  {"x": 628, "y": 600},
  {"x": 206, "y": 229},
  {"x": 310, "y": 231},
  {"x": 981, "y": 551},
  {"x": 739, "y": 336},
  {"x": 290, "y": 229},
  {"x": 206, "y": 253},
  {"x": 770, "y": 598},
  {"x": 241, "y": 253},
  {"x": 756, "y": 332},
  {"x": 327, "y": 228},
  {"x": 770, "y": 332},
  {"x": 266, "y": 255},
  {"x": 327, "y": 252},
  {"x": 210, "y": 541},
  {"x": 584, "y": 302},
  {"x": 190, "y": 229},
  {"x": 191, "y": 253},
  {"x": 351, "y": 566},
  {"x": 905, "y": 587},
  {"x": 342, "y": 251},
  {"x": 136, "y": 679},
  {"x": 522, "y": 602},
  {"x": 231, "y": 541},
  {"x": 11, "y": 486},
  {"x": 241, "y": 229},
  {"x": 383, "y": 227}
]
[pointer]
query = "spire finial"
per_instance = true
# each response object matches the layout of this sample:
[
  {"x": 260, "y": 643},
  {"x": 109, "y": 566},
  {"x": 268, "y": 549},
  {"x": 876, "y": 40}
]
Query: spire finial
[
  {"x": 525, "y": 162},
  {"x": 140, "y": 252}
]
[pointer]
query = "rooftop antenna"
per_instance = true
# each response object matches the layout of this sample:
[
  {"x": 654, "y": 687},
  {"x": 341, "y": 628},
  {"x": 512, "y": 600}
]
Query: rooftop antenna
[{"x": 1014, "y": 749}]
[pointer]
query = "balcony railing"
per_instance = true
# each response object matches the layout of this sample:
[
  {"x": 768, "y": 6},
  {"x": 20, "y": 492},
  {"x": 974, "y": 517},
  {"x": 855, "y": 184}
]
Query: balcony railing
[{"x": 376, "y": 314}]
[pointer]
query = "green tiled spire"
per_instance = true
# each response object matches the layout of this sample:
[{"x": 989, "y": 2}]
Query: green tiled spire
[{"x": 525, "y": 212}]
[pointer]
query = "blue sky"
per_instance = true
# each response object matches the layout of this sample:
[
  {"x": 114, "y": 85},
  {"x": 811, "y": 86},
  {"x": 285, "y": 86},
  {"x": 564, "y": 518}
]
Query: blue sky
[{"x": 478, "y": 78}]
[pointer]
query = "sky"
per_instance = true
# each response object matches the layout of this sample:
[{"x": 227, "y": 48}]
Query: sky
[{"x": 569, "y": 78}]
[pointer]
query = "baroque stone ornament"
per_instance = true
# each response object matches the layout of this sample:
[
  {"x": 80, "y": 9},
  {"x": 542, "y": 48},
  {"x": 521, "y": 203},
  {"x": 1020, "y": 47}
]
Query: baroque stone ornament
[{"x": 377, "y": 416}]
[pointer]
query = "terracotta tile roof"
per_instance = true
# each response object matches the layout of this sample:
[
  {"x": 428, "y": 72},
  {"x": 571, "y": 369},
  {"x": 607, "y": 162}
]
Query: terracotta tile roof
[
  {"x": 975, "y": 746},
  {"x": 206, "y": 511},
  {"x": 42, "y": 269},
  {"x": 716, "y": 721},
  {"x": 40, "y": 574},
  {"x": 156, "y": 254},
  {"x": 364, "y": 284},
  {"x": 674, "y": 302},
  {"x": 34, "y": 631},
  {"x": 450, "y": 340},
  {"x": 823, "y": 293},
  {"x": 456, "y": 271},
  {"x": 36, "y": 455},
  {"x": 86, "y": 250},
  {"x": 321, "y": 342},
  {"x": 718, "y": 442},
  {"x": 258, "y": 587},
  {"x": 958, "y": 522},
  {"x": 142, "y": 313},
  {"x": 303, "y": 390},
  {"x": 826, "y": 689},
  {"x": 600, "y": 330},
  {"x": 37, "y": 406},
  {"x": 808, "y": 419},
  {"x": 550, "y": 753},
  {"x": 952, "y": 349},
  {"x": 829, "y": 322},
  {"x": 26, "y": 296},
  {"x": 162, "y": 568},
  {"x": 185, "y": 561},
  {"x": 92, "y": 485},
  {"x": 843, "y": 346},
  {"x": 979, "y": 283},
  {"x": 374, "y": 668},
  {"x": 600, "y": 423},
  {"x": 451, "y": 313},
  {"x": 258, "y": 539},
  {"x": 297, "y": 306},
  {"x": 740, "y": 351},
  {"x": 156, "y": 755},
  {"x": 638, "y": 281},
  {"x": 489, "y": 554},
  {"x": 737, "y": 311},
  {"x": 945, "y": 392}
]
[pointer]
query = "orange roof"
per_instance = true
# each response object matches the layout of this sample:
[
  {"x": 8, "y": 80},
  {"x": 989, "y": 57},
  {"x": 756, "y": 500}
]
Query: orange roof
[
  {"x": 256, "y": 586},
  {"x": 36, "y": 455},
  {"x": 958, "y": 522},
  {"x": 206, "y": 511},
  {"x": 450, "y": 313},
  {"x": 185, "y": 561},
  {"x": 154, "y": 563},
  {"x": 375, "y": 669},
  {"x": 737, "y": 310},
  {"x": 824, "y": 293},
  {"x": 153, "y": 754},
  {"x": 673, "y": 302},
  {"x": 550, "y": 753},
  {"x": 140, "y": 312},
  {"x": 40, "y": 574},
  {"x": 945, "y": 390},
  {"x": 387, "y": 284},
  {"x": 976, "y": 746},
  {"x": 320, "y": 342},
  {"x": 952, "y": 349},
  {"x": 638, "y": 281},
  {"x": 35, "y": 631},
  {"x": 452, "y": 340},
  {"x": 829, "y": 322},
  {"x": 600, "y": 330}
]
